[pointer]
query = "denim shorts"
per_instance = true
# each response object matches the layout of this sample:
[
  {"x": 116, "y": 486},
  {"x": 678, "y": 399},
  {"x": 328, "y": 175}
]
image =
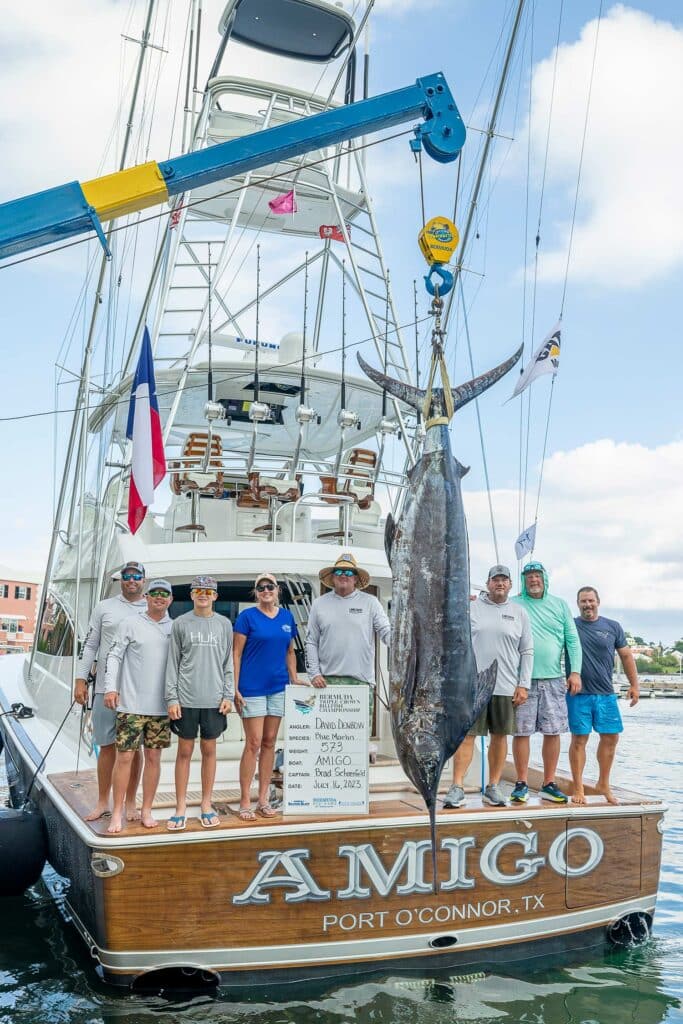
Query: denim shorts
[
  {"x": 545, "y": 709},
  {"x": 272, "y": 705},
  {"x": 598, "y": 711}
]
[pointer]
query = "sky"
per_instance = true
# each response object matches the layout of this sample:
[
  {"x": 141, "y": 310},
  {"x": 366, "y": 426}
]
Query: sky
[{"x": 612, "y": 485}]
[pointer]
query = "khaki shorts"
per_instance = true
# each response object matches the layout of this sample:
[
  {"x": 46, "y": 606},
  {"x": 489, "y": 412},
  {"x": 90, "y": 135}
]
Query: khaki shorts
[
  {"x": 153, "y": 730},
  {"x": 497, "y": 718}
]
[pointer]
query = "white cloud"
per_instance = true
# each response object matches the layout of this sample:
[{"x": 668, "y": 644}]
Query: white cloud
[
  {"x": 628, "y": 228},
  {"x": 609, "y": 517}
]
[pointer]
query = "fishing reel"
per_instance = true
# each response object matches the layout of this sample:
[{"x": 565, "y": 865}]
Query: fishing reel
[
  {"x": 259, "y": 412},
  {"x": 214, "y": 411},
  {"x": 389, "y": 427},
  {"x": 304, "y": 415},
  {"x": 347, "y": 419}
]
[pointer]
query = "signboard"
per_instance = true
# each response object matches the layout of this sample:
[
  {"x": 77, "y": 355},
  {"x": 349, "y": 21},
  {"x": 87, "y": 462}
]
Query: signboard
[{"x": 326, "y": 750}]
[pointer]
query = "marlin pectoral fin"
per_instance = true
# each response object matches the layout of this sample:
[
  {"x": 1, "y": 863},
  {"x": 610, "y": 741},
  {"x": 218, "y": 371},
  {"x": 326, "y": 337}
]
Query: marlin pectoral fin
[
  {"x": 405, "y": 392},
  {"x": 466, "y": 392},
  {"x": 484, "y": 687},
  {"x": 460, "y": 469},
  {"x": 389, "y": 534}
]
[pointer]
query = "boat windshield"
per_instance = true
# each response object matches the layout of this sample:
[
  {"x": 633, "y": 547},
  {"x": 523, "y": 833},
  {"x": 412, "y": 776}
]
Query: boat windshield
[{"x": 303, "y": 29}]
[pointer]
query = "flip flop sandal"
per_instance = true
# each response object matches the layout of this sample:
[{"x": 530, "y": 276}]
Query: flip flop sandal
[
  {"x": 209, "y": 819},
  {"x": 266, "y": 811},
  {"x": 246, "y": 814},
  {"x": 178, "y": 823}
]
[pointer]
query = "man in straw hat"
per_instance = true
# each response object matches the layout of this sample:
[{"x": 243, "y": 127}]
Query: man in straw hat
[{"x": 342, "y": 626}]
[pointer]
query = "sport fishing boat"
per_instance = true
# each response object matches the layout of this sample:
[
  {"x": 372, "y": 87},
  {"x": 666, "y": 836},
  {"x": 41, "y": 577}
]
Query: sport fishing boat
[{"x": 280, "y": 459}]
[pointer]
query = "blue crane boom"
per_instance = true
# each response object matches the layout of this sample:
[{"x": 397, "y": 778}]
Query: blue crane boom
[{"x": 72, "y": 209}]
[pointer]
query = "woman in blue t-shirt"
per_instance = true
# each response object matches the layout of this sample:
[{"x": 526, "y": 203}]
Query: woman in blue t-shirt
[{"x": 264, "y": 658}]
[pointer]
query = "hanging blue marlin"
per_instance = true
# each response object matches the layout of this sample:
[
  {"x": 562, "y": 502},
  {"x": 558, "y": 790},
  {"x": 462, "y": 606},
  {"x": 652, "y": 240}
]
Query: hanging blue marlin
[{"x": 435, "y": 691}]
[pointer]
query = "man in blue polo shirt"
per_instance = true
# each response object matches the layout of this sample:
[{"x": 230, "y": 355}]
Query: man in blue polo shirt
[{"x": 595, "y": 706}]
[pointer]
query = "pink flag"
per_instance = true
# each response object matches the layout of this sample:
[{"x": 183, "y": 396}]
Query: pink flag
[{"x": 283, "y": 204}]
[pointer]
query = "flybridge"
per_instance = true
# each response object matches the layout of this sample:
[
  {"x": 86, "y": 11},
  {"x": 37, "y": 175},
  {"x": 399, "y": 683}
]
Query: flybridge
[{"x": 73, "y": 209}]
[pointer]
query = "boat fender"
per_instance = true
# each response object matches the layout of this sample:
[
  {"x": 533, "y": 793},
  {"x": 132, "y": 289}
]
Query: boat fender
[{"x": 23, "y": 849}]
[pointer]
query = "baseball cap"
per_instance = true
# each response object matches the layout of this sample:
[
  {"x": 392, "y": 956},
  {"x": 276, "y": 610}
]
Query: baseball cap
[
  {"x": 266, "y": 576},
  {"x": 533, "y": 567},
  {"x": 159, "y": 585},
  {"x": 499, "y": 570},
  {"x": 204, "y": 583},
  {"x": 136, "y": 567}
]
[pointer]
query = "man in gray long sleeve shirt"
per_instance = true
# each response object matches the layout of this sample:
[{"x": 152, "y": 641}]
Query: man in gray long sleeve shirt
[
  {"x": 135, "y": 672},
  {"x": 104, "y": 621},
  {"x": 342, "y": 626},
  {"x": 199, "y": 694},
  {"x": 499, "y": 633}
]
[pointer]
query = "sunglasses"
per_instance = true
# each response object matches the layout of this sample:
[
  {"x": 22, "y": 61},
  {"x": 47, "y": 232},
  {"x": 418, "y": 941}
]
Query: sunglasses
[
  {"x": 132, "y": 576},
  {"x": 265, "y": 586},
  {"x": 533, "y": 567},
  {"x": 158, "y": 593},
  {"x": 344, "y": 572},
  {"x": 203, "y": 592}
]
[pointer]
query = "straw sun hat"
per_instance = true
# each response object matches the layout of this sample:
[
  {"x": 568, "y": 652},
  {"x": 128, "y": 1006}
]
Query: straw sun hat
[{"x": 345, "y": 561}]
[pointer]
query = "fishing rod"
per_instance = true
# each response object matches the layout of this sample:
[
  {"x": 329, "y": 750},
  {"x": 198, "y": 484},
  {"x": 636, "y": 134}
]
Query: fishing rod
[
  {"x": 346, "y": 418},
  {"x": 259, "y": 411},
  {"x": 304, "y": 414}
]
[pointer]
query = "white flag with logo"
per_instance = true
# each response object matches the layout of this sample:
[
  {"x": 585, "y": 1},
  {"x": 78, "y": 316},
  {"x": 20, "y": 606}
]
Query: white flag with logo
[
  {"x": 546, "y": 359},
  {"x": 525, "y": 542}
]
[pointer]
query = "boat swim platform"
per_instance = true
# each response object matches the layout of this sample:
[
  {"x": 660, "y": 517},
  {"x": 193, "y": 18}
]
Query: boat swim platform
[{"x": 393, "y": 800}]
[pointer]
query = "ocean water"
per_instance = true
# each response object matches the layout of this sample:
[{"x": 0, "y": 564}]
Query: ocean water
[{"x": 46, "y": 975}]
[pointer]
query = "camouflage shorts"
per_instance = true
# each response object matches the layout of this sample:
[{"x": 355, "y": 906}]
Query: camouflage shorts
[{"x": 154, "y": 731}]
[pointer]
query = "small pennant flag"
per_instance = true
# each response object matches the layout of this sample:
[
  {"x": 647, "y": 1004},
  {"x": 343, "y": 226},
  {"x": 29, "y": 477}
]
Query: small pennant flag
[
  {"x": 525, "y": 542},
  {"x": 148, "y": 462},
  {"x": 546, "y": 359},
  {"x": 283, "y": 204},
  {"x": 332, "y": 231}
]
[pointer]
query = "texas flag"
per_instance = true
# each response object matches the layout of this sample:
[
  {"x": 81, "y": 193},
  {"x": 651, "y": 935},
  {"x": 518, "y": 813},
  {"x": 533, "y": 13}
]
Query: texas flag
[{"x": 148, "y": 462}]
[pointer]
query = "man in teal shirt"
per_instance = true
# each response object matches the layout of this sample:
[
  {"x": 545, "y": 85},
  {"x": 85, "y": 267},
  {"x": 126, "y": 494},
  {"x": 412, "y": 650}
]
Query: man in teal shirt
[{"x": 545, "y": 711}]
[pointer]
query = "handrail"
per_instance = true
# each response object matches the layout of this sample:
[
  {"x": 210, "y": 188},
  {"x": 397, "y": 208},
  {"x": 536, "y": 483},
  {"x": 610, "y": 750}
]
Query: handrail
[{"x": 316, "y": 500}]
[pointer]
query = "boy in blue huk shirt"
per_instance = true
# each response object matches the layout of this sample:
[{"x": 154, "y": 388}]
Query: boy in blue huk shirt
[{"x": 595, "y": 706}]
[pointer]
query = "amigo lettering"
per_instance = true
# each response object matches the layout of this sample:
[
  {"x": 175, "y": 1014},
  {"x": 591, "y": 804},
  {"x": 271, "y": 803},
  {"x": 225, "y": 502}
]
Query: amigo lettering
[{"x": 367, "y": 874}]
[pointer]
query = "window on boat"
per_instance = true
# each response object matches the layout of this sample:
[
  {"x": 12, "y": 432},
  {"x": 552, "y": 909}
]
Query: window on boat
[{"x": 56, "y": 632}]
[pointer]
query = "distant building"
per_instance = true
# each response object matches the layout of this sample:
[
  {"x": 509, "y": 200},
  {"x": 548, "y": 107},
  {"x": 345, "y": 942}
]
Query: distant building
[{"x": 19, "y": 594}]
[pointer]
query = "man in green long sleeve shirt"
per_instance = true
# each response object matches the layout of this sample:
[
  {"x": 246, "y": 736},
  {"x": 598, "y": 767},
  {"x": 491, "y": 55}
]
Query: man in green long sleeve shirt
[{"x": 545, "y": 710}]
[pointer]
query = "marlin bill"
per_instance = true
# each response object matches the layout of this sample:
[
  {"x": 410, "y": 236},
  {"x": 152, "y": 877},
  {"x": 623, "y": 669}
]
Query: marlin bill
[{"x": 436, "y": 692}]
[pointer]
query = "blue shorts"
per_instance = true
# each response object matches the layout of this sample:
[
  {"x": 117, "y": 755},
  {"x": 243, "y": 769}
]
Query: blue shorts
[
  {"x": 259, "y": 707},
  {"x": 598, "y": 711}
]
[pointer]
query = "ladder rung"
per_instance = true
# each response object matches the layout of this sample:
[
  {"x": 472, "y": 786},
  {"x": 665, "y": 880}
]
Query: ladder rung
[
  {"x": 374, "y": 273},
  {"x": 200, "y": 310},
  {"x": 185, "y": 287},
  {"x": 369, "y": 252},
  {"x": 375, "y": 294}
]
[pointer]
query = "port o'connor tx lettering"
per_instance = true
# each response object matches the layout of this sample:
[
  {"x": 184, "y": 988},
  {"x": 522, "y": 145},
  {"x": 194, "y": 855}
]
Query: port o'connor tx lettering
[{"x": 288, "y": 870}]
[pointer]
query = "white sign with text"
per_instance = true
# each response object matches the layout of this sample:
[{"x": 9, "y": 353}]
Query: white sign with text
[{"x": 326, "y": 750}]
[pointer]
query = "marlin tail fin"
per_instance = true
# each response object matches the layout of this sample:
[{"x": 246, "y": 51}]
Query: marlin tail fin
[{"x": 461, "y": 395}]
